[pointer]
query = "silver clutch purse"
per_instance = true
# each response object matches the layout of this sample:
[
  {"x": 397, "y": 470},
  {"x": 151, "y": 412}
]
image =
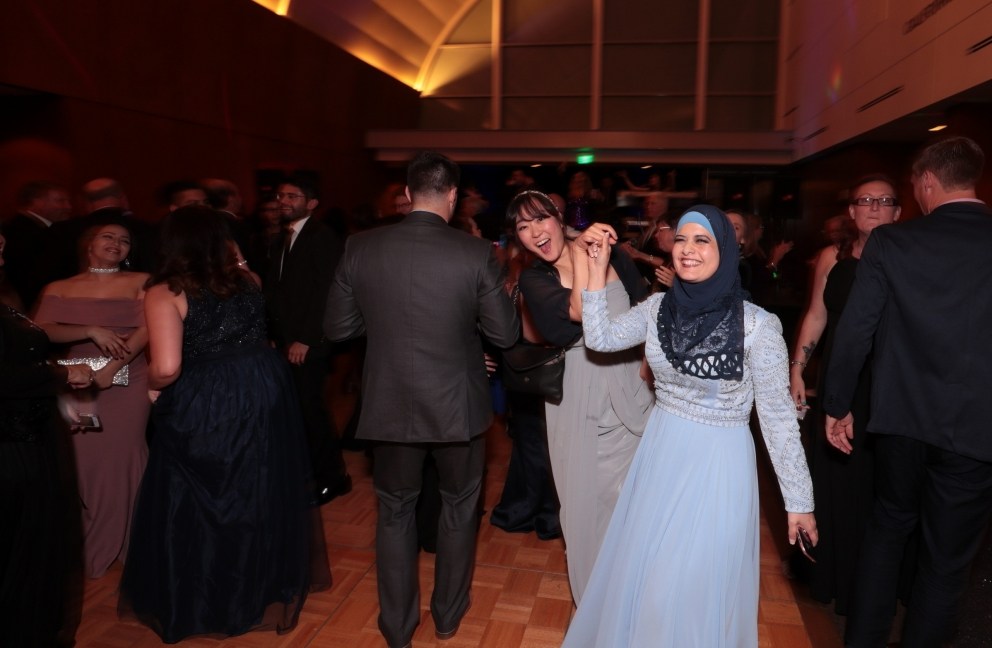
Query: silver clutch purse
[{"x": 99, "y": 362}]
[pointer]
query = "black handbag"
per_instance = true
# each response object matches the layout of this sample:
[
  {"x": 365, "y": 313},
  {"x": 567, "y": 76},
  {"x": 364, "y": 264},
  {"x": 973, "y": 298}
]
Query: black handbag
[{"x": 534, "y": 369}]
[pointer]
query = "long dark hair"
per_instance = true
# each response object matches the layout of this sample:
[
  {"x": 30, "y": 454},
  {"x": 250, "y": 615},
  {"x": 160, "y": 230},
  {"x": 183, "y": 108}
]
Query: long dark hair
[{"x": 196, "y": 254}]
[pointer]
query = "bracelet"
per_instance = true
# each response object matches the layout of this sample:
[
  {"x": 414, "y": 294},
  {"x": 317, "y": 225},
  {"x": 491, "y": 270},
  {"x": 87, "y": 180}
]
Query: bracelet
[{"x": 796, "y": 362}]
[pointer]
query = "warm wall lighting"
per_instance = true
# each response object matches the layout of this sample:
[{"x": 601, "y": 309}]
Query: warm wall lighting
[
  {"x": 280, "y": 7},
  {"x": 938, "y": 127},
  {"x": 535, "y": 166},
  {"x": 647, "y": 166}
]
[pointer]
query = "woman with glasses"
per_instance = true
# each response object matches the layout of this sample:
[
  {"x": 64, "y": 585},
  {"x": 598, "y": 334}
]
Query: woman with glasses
[{"x": 842, "y": 483}]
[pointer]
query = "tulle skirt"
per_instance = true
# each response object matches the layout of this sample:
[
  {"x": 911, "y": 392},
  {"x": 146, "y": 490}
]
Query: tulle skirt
[{"x": 225, "y": 538}]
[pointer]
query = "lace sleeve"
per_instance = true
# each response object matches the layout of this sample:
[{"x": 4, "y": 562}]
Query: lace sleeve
[
  {"x": 622, "y": 332},
  {"x": 769, "y": 362}
]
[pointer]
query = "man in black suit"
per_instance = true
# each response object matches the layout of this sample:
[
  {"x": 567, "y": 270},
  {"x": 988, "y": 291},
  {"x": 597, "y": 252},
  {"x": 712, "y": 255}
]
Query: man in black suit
[
  {"x": 920, "y": 305},
  {"x": 421, "y": 291},
  {"x": 302, "y": 266},
  {"x": 30, "y": 257},
  {"x": 223, "y": 195}
]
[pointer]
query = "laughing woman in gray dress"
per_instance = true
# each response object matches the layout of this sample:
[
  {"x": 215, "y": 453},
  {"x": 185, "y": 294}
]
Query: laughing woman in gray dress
[{"x": 594, "y": 431}]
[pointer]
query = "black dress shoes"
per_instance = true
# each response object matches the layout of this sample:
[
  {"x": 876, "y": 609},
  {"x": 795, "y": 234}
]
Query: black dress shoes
[
  {"x": 325, "y": 493},
  {"x": 445, "y": 635}
]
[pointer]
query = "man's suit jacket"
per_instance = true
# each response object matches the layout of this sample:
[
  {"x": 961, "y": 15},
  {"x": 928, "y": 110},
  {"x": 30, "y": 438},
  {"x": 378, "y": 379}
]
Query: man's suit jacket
[
  {"x": 922, "y": 304},
  {"x": 27, "y": 256},
  {"x": 421, "y": 291},
  {"x": 297, "y": 297}
]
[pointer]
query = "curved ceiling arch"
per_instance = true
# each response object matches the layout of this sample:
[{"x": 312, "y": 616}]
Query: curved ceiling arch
[{"x": 399, "y": 37}]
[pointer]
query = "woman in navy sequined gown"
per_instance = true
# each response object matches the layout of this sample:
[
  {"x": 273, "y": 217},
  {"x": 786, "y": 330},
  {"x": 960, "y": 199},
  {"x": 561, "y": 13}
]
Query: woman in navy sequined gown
[{"x": 224, "y": 539}]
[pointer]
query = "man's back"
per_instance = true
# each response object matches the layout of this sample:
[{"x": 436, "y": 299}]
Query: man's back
[
  {"x": 932, "y": 354},
  {"x": 420, "y": 289}
]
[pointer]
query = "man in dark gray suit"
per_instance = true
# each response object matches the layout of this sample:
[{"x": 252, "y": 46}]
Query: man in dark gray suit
[
  {"x": 422, "y": 291},
  {"x": 920, "y": 305}
]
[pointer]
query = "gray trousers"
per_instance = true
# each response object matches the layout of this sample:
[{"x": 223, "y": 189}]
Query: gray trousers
[{"x": 397, "y": 476}]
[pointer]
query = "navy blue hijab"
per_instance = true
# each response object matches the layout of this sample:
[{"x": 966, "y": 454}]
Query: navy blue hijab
[{"x": 701, "y": 325}]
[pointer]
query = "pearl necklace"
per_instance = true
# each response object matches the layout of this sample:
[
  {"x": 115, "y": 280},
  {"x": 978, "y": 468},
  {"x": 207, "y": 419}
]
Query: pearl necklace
[{"x": 105, "y": 270}]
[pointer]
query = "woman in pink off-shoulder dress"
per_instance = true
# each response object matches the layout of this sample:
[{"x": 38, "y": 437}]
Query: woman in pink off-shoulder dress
[{"x": 98, "y": 314}]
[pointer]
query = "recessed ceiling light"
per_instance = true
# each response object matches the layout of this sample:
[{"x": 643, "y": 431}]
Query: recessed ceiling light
[
  {"x": 647, "y": 166},
  {"x": 534, "y": 166},
  {"x": 938, "y": 127}
]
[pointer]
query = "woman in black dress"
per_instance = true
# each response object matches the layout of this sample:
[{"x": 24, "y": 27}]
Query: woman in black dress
[
  {"x": 40, "y": 546},
  {"x": 225, "y": 537},
  {"x": 842, "y": 484}
]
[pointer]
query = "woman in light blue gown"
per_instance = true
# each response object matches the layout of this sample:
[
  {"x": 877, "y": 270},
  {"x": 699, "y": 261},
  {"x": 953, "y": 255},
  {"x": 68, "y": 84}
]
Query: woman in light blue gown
[{"x": 679, "y": 564}]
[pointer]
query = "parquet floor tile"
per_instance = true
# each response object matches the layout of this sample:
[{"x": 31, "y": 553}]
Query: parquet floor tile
[{"x": 520, "y": 595}]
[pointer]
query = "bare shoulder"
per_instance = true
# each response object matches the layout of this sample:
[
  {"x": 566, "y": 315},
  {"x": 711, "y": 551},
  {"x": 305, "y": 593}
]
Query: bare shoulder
[
  {"x": 135, "y": 282},
  {"x": 56, "y": 288},
  {"x": 160, "y": 293},
  {"x": 826, "y": 259}
]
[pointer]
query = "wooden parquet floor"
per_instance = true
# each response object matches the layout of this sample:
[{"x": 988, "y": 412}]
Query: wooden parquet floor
[{"x": 520, "y": 595}]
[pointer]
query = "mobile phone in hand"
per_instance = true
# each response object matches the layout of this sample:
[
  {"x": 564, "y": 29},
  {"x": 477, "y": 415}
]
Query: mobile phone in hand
[
  {"x": 89, "y": 422},
  {"x": 805, "y": 544}
]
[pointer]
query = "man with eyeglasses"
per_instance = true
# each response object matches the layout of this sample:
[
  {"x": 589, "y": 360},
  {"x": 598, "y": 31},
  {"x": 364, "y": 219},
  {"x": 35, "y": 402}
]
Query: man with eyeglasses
[
  {"x": 920, "y": 307},
  {"x": 301, "y": 266}
]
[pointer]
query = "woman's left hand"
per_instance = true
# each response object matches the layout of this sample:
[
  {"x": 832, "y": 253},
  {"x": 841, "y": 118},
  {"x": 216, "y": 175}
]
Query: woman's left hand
[{"x": 807, "y": 522}]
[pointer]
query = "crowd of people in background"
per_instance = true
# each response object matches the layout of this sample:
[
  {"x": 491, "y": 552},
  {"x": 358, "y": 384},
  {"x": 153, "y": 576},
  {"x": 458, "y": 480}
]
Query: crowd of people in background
[{"x": 147, "y": 367}]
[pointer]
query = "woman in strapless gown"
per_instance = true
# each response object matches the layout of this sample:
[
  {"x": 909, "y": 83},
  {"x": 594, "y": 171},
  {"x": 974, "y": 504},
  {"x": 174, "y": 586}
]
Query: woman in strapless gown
[
  {"x": 98, "y": 314},
  {"x": 226, "y": 538}
]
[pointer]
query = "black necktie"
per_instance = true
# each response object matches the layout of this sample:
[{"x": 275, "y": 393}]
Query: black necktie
[{"x": 287, "y": 244}]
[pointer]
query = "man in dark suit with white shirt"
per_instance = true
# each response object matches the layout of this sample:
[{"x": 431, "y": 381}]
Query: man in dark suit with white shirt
[
  {"x": 422, "y": 291},
  {"x": 920, "y": 304},
  {"x": 31, "y": 256},
  {"x": 302, "y": 264}
]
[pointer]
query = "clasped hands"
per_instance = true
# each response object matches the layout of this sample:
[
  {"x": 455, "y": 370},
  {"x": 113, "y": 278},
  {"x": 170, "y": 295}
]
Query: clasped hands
[{"x": 596, "y": 238}]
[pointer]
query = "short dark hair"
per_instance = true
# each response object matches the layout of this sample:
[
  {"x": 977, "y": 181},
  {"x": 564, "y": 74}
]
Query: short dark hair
[
  {"x": 112, "y": 189},
  {"x": 431, "y": 173},
  {"x": 31, "y": 191},
  {"x": 169, "y": 192},
  {"x": 305, "y": 182},
  {"x": 219, "y": 195},
  {"x": 957, "y": 162},
  {"x": 873, "y": 177}
]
